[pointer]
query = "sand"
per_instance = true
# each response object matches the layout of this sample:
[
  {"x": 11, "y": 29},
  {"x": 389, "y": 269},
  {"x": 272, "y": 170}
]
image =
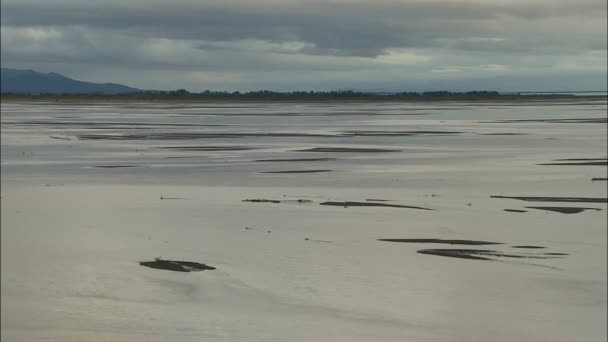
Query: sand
[{"x": 73, "y": 235}]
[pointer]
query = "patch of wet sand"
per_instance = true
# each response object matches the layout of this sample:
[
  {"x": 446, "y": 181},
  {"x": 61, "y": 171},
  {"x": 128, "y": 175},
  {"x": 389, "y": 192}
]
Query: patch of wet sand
[
  {"x": 503, "y": 133},
  {"x": 297, "y": 171},
  {"x": 581, "y": 159},
  {"x": 591, "y": 163},
  {"x": 555, "y": 199},
  {"x": 294, "y": 160},
  {"x": 573, "y": 120},
  {"x": 480, "y": 254},
  {"x": 347, "y": 149},
  {"x": 261, "y": 200},
  {"x": 208, "y": 148},
  {"x": 177, "y": 266},
  {"x": 397, "y": 133},
  {"x": 444, "y": 241},
  {"x": 370, "y": 204},
  {"x": 194, "y": 136},
  {"x": 516, "y": 211},
  {"x": 565, "y": 210}
]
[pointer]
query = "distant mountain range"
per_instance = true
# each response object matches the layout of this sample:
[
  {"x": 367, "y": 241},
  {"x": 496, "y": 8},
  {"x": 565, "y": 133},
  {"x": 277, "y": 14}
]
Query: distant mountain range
[{"x": 32, "y": 82}]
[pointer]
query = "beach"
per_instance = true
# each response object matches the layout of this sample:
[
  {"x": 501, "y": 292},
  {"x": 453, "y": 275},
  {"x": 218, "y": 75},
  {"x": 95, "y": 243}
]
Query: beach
[{"x": 316, "y": 217}]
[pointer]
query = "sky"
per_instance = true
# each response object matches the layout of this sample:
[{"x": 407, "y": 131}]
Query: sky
[{"x": 283, "y": 45}]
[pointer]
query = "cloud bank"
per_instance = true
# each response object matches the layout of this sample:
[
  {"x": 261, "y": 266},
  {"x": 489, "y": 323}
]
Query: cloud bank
[{"x": 292, "y": 45}]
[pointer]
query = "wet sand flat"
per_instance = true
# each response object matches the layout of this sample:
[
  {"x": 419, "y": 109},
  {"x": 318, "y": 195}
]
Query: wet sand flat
[{"x": 454, "y": 263}]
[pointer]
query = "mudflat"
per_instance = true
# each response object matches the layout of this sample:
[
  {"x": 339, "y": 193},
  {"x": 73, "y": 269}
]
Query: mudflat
[{"x": 258, "y": 241}]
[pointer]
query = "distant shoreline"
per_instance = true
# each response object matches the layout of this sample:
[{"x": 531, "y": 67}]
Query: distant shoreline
[{"x": 286, "y": 97}]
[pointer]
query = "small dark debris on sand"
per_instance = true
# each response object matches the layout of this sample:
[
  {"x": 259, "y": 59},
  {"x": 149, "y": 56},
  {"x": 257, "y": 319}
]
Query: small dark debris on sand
[
  {"x": 478, "y": 254},
  {"x": 553, "y": 253},
  {"x": 294, "y": 160},
  {"x": 528, "y": 247},
  {"x": 370, "y": 204},
  {"x": 172, "y": 198},
  {"x": 313, "y": 240},
  {"x": 444, "y": 241},
  {"x": 347, "y": 149},
  {"x": 555, "y": 199},
  {"x": 565, "y": 210},
  {"x": 376, "y": 200},
  {"x": 178, "y": 266},
  {"x": 298, "y": 171},
  {"x": 516, "y": 211},
  {"x": 599, "y": 179},
  {"x": 113, "y": 166},
  {"x": 261, "y": 200}
]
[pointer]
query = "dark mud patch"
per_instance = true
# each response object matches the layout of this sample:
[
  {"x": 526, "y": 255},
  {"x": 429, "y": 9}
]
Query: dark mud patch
[
  {"x": 480, "y": 254},
  {"x": 599, "y": 179},
  {"x": 261, "y": 200},
  {"x": 348, "y": 150},
  {"x": 56, "y": 137},
  {"x": 114, "y": 166},
  {"x": 294, "y": 160},
  {"x": 581, "y": 159},
  {"x": 589, "y": 163},
  {"x": 503, "y": 133},
  {"x": 574, "y": 120},
  {"x": 516, "y": 211},
  {"x": 444, "y": 241},
  {"x": 528, "y": 247},
  {"x": 264, "y": 200},
  {"x": 177, "y": 266},
  {"x": 208, "y": 148},
  {"x": 184, "y": 157},
  {"x": 298, "y": 171},
  {"x": 194, "y": 136},
  {"x": 397, "y": 133},
  {"x": 300, "y": 201},
  {"x": 555, "y": 199},
  {"x": 565, "y": 210},
  {"x": 109, "y": 124},
  {"x": 371, "y": 204}
]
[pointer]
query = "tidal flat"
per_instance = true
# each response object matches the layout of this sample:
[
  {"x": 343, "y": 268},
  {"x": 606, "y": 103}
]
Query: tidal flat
[{"x": 243, "y": 191}]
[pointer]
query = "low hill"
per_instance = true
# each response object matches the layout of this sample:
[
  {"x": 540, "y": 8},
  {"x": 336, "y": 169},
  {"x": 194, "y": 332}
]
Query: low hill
[{"x": 32, "y": 82}]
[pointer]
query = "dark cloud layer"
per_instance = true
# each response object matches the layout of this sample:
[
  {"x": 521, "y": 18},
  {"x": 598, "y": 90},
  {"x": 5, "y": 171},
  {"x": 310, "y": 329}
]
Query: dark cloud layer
[{"x": 226, "y": 43}]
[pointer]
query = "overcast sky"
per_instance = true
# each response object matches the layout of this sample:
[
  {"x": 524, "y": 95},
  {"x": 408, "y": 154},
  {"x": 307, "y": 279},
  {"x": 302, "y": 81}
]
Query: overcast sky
[{"x": 313, "y": 45}]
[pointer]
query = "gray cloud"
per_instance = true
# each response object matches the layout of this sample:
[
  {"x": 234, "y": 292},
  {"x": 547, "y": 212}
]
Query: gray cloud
[{"x": 242, "y": 39}]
